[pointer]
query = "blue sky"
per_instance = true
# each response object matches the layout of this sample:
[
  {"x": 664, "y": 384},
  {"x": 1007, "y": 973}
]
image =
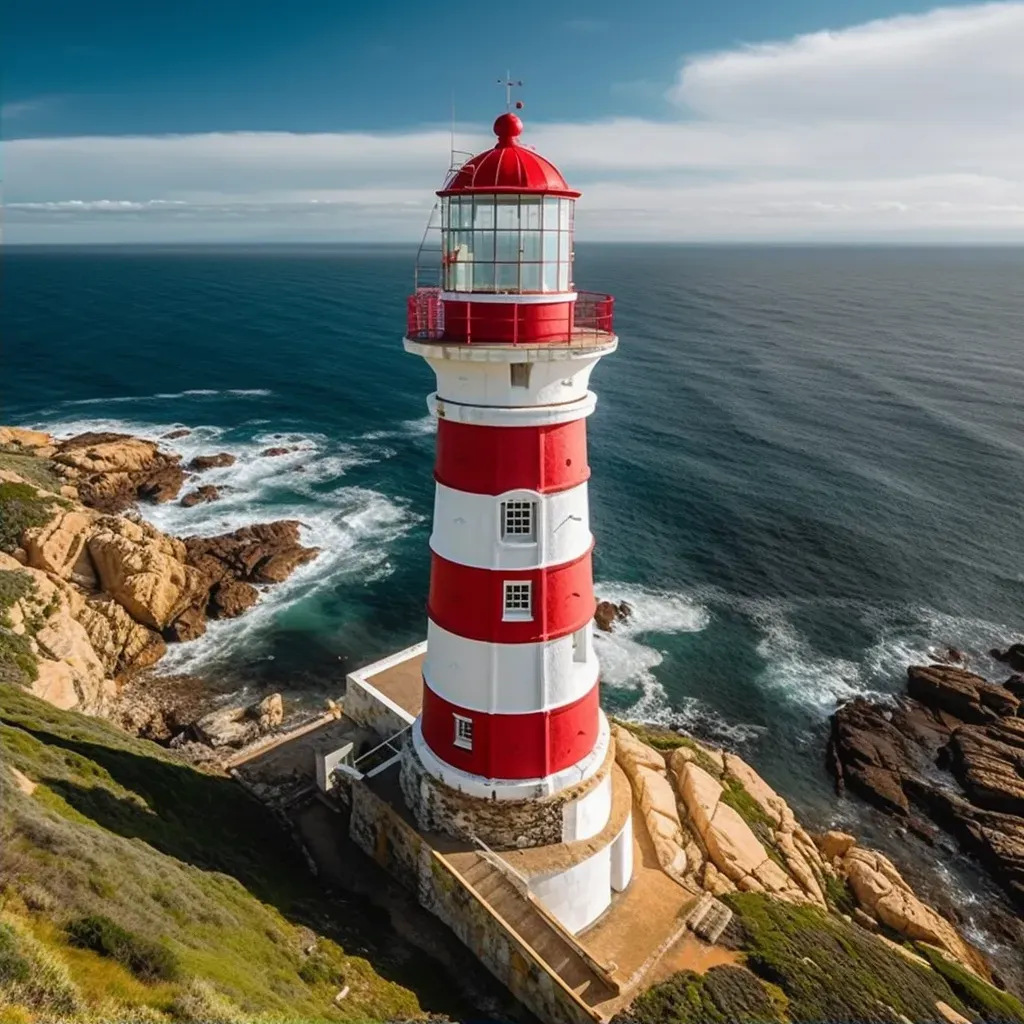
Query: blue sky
[{"x": 737, "y": 120}]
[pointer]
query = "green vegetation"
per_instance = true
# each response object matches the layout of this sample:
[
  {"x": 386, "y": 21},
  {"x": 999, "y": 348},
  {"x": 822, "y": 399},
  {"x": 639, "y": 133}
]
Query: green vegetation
[
  {"x": 21, "y": 507},
  {"x": 31, "y": 468},
  {"x": 724, "y": 995},
  {"x": 990, "y": 1002},
  {"x": 17, "y": 662},
  {"x": 154, "y": 892},
  {"x": 146, "y": 959}
]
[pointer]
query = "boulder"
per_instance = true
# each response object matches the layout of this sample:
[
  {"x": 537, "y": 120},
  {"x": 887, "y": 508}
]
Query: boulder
[
  {"x": 189, "y": 625},
  {"x": 1012, "y": 656},
  {"x": 607, "y": 613},
  {"x": 201, "y": 462},
  {"x": 174, "y": 435},
  {"x": 57, "y": 546},
  {"x": 631, "y": 753},
  {"x": 1015, "y": 684},
  {"x": 230, "y": 598},
  {"x": 227, "y": 727},
  {"x": 732, "y": 846},
  {"x": 264, "y": 553},
  {"x": 122, "y": 644},
  {"x": 145, "y": 571},
  {"x": 22, "y": 438},
  {"x": 274, "y": 452},
  {"x": 200, "y": 495},
  {"x": 835, "y": 844},
  {"x": 963, "y": 694},
  {"x": 700, "y": 793},
  {"x": 988, "y": 761},
  {"x": 269, "y": 712}
]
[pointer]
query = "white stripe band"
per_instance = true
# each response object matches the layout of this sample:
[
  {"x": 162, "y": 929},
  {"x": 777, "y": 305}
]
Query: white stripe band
[
  {"x": 495, "y": 416},
  {"x": 498, "y": 298},
  {"x": 478, "y": 529},
  {"x": 510, "y": 679}
]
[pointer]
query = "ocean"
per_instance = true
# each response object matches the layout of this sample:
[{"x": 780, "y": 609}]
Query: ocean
[{"x": 808, "y": 463}]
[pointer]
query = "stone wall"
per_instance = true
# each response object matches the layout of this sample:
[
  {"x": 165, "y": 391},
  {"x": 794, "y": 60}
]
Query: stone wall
[
  {"x": 370, "y": 708},
  {"x": 501, "y": 824},
  {"x": 378, "y": 830}
]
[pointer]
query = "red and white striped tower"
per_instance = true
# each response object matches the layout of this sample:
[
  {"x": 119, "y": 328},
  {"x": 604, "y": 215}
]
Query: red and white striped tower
[{"x": 510, "y": 698}]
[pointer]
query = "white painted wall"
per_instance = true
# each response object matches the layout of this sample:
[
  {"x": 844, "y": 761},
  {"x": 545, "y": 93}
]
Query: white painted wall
[
  {"x": 585, "y": 817},
  {"x": 508, "y": 678},
  {"x": 579, "y": 896},
  {"x": 622, "y": 857},
  {"x": 478, "y": 382},
  {"x": 467, "y": 528}
]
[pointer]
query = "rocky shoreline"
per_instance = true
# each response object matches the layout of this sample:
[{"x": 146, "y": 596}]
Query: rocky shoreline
[{"x": 91, "y": 594}]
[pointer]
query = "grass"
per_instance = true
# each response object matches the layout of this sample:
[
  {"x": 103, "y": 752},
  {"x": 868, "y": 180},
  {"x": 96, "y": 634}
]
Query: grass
[
  {"x": 991, "y": 1003},
  {"x": 830, "y": 970},
  {"x": 31, "y": 468},
  {"x": 21, "y": 508},
  {"x": 723, "y": 995},
  {"x": 123, "y": 850},
  {"x": 17, "y": 660}
]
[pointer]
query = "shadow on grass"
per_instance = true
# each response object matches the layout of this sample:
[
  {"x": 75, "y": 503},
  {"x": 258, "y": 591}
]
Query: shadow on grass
[{"x": 213, "y": 824}]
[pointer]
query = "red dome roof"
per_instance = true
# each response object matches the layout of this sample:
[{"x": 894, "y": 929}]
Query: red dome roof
[{"x": 508, "y": 167}]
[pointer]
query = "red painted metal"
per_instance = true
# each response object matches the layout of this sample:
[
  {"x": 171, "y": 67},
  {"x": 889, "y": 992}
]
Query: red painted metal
[
  {"x": 529, "y": 746},
  {"x": 508, "y": 167},
  {"x": 493, "y": 460},
  {"x": 470, "y": 602},
  {"x": 429, "y": 318}
]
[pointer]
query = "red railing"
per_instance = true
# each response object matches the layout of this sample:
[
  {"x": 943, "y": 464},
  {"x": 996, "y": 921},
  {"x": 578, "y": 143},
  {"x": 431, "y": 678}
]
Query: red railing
[{"x": 591, "y": 316}]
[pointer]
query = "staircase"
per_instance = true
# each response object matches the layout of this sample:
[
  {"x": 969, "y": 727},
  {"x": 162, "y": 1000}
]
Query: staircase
[{"x": 500, "y": 893}]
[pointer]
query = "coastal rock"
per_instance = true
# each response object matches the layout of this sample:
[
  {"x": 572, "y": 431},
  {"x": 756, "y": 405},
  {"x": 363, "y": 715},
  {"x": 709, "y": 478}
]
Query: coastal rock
[
  {"x": 607, "y": 613},
  {"x": 200, "y": 495},
  {"x": 1012, "y": 656},
  {"x": 19, "y": 437},
  {"x": 988, "y": 762},
  {"x": 264, "y": 553},
  {"x": 201, "y": 462},
  {"x": 58, "y": 546},
  {"x": 967, "y": 696},
  {"x": 882, "y": 892},
  {"x": 111, "y": 471},
  {"x": 237, "y": 726},
  {"x": 271, "y": 453},
  {"x": 230, "y": 598},
  {"x": 174, "y": 435},
  {"x": 145, "y": 571},
  {"x": 1015, "y": 684},
  {"x": 270, "y": 712},
  {"x": 835, "y": 844},
  {"x": 122, "y": 644},
  {"x": 189, "y": 625}
]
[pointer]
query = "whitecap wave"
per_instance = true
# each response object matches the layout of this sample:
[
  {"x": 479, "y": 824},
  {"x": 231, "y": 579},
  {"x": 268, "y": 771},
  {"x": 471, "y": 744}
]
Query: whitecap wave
[{"x": 166, "y": 395}]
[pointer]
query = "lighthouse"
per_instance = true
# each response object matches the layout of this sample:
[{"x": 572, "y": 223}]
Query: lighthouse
[{"x": 511, "y": 750}]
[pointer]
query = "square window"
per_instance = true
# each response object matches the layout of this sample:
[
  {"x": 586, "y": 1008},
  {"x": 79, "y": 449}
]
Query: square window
[
  {"x": 463, "y": 732},
  {"x": 579, "y": 644},
  {"x": 519, "y": 600},
  {"x": 519, "y": 374},
  {"x": 517, "y": 520}
]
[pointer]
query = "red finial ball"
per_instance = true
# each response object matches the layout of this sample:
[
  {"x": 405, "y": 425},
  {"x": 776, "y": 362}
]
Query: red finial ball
[
  {"x": 519, "y": 104},
  {"x": 508, "y": 127}
]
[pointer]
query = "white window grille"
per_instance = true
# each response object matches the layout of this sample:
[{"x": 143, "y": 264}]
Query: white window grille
[
  {"x": 517, "y": 520},
  {"x": 463, "y": 732},
  {"x": 519, "y": 600},
  {"x": 519, "y": 374}
]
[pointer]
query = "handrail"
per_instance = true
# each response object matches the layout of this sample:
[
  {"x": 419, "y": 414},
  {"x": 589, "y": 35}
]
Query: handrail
[
  {"x": 591, "y": 315},
  {"x": 385, "y": 743}
]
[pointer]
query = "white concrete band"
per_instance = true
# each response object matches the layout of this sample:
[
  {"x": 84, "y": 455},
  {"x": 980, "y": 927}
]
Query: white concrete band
[
  {"x": 482, "y": 416},
  {"x": 512, "y": 789},
  {"x": 510, "y": 679},
  {"x": 507, "y": 352},
  {"x": 587, "y": 816},
  {"x": 469, "y": 528},
  {"x": 511, "y": 299}
]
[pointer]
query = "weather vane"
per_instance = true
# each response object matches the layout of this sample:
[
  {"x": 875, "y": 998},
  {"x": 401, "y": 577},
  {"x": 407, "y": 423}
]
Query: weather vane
[{"x": 511, "y": 84}]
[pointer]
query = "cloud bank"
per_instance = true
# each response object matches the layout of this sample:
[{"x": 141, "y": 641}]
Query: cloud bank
[{"x": 904, "y": 129}]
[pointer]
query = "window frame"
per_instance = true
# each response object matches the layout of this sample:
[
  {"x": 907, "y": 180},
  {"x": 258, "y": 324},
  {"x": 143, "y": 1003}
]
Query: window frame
[
  {"x": 463, "y": 725},
  {"x": 509, "y": 507},
  {"x": 516, "y": 590}
]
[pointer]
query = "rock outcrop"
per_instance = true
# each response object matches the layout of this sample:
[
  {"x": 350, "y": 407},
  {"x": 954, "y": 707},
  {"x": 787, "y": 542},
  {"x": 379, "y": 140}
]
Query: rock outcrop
[
  {"x": 103, "y": 593},
  {"x": 607, "y": 613},
  {"x": 732, "y": 832},
  {"x": 113, "y": 471},
  {"x": 200, "y": 496},
  {"x": 238, "y": 725},
  {"x": 951, "y": 754}
]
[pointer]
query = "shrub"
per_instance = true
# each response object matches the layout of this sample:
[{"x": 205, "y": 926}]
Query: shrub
[
  {"x": 21, "y": 507},
  {"x": 146, "y": 959},
  {"x": 31, "y": 975},
  {"x": 319, "y": 969},
  {"x": 993, "y": 1004},
  {"x": 723, "y": 995},
  {"x": 18, "y": 662},
  {"x": 200, "y": 1003}
]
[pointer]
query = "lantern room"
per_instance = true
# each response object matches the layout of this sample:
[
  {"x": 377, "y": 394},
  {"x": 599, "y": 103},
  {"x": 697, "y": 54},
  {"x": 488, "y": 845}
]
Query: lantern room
[{"x": 506, "y": 253}]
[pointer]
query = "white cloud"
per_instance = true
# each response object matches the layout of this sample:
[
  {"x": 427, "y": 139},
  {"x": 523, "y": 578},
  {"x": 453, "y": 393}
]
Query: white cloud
[{"x": 906, "y": 128}]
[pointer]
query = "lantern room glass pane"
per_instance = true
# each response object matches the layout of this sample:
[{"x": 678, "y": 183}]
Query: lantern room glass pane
[
  {"x": 550, "y": 277},
  {"x": 530, "y": 244},
  {"x": 483, "y": 213},
  {"x": 530, "y": 214},
  {"x": 507, "y": 215},
  {"x": 483, "y": 277},
  {"x": 550, "y": 213},
  {"x": 506, "y": 248},
  {"x": 563, "y": 277},
  {"x": 564, "y": 208},
  {"x": 506, "y": 277},
  {"x": 550, "y": 246},
  {"x": 530, "y": 277},
  {"x": 483, "y": 245}
]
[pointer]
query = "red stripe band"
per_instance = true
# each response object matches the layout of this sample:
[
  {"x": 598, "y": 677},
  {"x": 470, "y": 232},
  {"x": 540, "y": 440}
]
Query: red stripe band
[
  {"x": 493, "y": 460},
  {"x": 528, "y": 746},
  {"x": 470, "y": 602}
]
